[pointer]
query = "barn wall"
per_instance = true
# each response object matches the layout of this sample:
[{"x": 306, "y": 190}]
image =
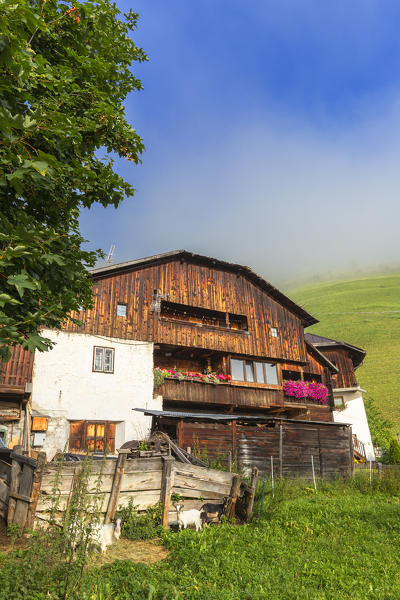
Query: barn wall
[
  {"x": 346, "y": 377},
  {"x": 255, "y": 444},
  {"x": 200, "y": 286}
]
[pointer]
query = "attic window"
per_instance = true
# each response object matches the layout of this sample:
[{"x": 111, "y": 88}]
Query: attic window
[
  {"x": 121, "y": 310},
  {"x": 202, "y": 316},
  {"x": 274, "y": 332}
]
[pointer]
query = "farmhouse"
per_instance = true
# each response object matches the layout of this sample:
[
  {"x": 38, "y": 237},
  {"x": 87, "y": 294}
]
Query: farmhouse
[{"x": 234, "y": 367}]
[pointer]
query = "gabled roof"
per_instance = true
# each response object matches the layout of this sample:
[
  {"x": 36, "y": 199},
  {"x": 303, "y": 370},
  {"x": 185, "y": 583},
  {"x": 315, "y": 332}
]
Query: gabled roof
[
  {"x": 272, "y": 291},
  {"x": 357, "y": 355},
  {"x": 320, "y": 357}
]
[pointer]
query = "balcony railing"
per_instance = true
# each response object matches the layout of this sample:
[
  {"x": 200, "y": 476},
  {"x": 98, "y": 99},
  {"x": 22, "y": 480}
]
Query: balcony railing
[{"x": 226, "y": 394}]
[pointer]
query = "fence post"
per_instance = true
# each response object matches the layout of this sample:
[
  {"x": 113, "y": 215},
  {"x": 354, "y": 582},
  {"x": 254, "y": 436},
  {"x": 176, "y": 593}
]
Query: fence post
[
  {"x": 234, "y": 495},
  {"x": 116, "y": 485},
  {"x": 166, "y": 485},
  {"x": 37, "y": 480},
  {"x": 280, "y": 450},
  {"x": 351, "y": 450},
  {"x": 230, "y": 461},
  {"x": 253, "y": 485}
]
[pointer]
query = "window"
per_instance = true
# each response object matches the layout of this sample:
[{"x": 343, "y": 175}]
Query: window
[
  {"x": 274, "y": 332},
  {"x": 103, "y": 360},
  {"x": 254, "y": 371},
  {"x": 121, "y": 310},
  {"x": 338, "y": 402},
  {"x": 94, "y": 436}
]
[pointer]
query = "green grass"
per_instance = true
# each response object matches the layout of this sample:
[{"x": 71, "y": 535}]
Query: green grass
[
  {"x": 341, "y": 543},
  {"x": 364, "y": 312}
]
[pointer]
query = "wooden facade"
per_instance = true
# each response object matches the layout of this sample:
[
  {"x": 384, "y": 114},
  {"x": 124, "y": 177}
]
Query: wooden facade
[
  {"x": 193, "y": 284},
  {"x": 202, "y": 315},
  {"x": 346, "y": 378},
  {"x": 291, "y": 445}
]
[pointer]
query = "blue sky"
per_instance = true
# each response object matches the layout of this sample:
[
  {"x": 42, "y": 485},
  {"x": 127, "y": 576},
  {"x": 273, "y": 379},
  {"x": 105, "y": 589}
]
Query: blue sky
[{"x": 272, "y": 133}]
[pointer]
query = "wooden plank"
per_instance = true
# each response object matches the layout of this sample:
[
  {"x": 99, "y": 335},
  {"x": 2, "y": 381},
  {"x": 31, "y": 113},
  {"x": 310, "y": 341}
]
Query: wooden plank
[
  {"x": 25, "y": 489},
  {"x": 37, "y": 476},
  {"x": 141, "y": 500},
  {"x": 202, "y": 485},
  {"x": 16, "y": 470},
  {"x": 234, "y": 496},
  {"x": 198, "y": 493},
  {"x": 204, "y": 474},
  {"x": 115, "y": 488},
  {"x": 253, "y": 485},
  {"x": 166, "y": 485}
]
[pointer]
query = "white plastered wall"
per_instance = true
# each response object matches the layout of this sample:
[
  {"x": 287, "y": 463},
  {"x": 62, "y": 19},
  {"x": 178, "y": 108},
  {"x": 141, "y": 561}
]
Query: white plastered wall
[
  {"x": 354, "y": 413},
  {"x": 65, "y": 388}
]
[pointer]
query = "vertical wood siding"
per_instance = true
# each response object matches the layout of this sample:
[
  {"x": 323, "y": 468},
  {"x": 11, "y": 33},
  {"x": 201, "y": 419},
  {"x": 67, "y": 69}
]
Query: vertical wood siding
[
  {"x": 199, "y": 286},
  {"x": 18, "y": 370},
  {"x": 346, "y": 377},
  {"x": 255, "y": 445}
]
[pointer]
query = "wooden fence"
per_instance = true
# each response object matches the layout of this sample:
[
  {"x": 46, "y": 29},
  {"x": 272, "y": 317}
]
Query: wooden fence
[{"x": 146, "y": 481}]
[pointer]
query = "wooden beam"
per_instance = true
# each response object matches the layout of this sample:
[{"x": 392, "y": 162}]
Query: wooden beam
[
  {"x": 116, "y": 487},
  {"x": 253, "y": 485},
  {"x": 37, "y": 480},
  {"x": 166, "y": 486},
  {"x": 236, "y": 481}
]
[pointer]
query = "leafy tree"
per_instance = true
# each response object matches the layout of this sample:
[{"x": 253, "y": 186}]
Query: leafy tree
[
  {"x": 381, "y": 428},
  {"x": 394, "y": 452},
  {"x": 65, "y": 72}
]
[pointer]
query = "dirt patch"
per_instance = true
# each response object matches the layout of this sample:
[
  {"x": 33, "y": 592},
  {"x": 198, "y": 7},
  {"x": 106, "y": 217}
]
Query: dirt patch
[
  {"x": 146, "y": 551},
  {"x": 6, "y": 542}
]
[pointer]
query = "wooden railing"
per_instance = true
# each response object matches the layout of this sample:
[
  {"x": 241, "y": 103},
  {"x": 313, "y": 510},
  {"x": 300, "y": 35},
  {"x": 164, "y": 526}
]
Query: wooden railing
[{"x": 359, "y": 447}]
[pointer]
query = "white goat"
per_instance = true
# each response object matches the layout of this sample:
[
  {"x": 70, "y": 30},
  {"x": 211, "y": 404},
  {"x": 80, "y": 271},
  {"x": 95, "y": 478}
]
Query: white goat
[
  {"x": 188, "y": 517},
  {"x": 105, "y": 535},
  {"x": 98, "y": 535}
]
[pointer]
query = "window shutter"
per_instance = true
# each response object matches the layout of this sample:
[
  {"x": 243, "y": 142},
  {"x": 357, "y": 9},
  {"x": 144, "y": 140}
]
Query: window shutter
[
  {"x": 110, "y": 437},
  {"x": 76, "y": 436}
]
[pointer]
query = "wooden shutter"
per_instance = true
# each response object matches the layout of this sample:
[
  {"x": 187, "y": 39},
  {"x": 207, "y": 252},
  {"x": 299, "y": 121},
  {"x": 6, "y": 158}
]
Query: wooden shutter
[
  {"x": 76, "y": 436},
  {"x": 110, "y": 437}
]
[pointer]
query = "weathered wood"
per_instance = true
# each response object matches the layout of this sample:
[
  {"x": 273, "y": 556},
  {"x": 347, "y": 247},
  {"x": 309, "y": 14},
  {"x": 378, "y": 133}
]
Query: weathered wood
[
  {"x": 24, "y": 460},
  {"x": 202, "y": 485},
  {"x": 198, "y": 493},
  {"x": 213, "y": 475},
  {"x": 166, "y": 485},
  {"x": 16, "y": 470},
  {"x": 234, "y": 496},
  {"x": 116, "y": 487},
  {"x": 25, "y": 490},
  {"x": 37, "y": 477},
  {"x": 253, "y": 485}
]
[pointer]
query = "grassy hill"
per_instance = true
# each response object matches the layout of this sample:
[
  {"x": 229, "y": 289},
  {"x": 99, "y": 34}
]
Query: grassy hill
[{"x": 364, "y": 312}]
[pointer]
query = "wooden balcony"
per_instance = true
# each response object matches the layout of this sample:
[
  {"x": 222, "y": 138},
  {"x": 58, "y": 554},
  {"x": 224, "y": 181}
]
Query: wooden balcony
[{"x": 238, "y": 395}]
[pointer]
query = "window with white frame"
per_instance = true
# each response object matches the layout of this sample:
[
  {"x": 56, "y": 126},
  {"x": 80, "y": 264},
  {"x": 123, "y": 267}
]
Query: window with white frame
[
  {"x": 274, "y": 332},
  {"x": 121, "y": 310},
  {"x": 254, "y": 371},
  {"x": 103, "y": 359}
]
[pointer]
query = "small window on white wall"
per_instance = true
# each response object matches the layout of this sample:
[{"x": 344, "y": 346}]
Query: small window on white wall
[
  {"x": 274, "y": 332},
  {"x": 339, "y": 401},
  {"x": 103, "y": 359},
  {"x": 121, "y": 310}
]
